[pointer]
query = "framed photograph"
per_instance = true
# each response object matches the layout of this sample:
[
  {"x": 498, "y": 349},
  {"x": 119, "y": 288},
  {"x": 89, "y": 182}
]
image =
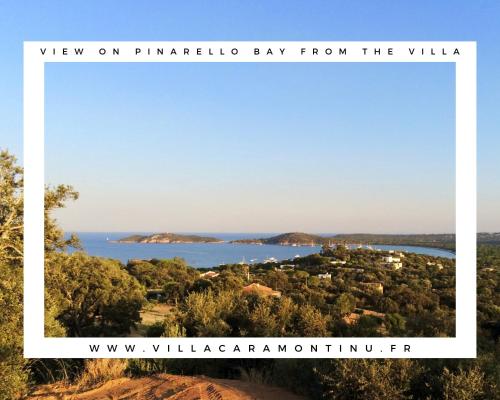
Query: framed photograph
[{"x": 252, "y": 199}]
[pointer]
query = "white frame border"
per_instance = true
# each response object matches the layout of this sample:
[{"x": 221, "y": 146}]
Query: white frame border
[{"x": 461, "y": 346}]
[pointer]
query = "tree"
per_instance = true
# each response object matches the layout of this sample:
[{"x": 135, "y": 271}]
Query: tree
[
  {"x": 310, "y": 322},
  {"x": 366, "y": 379},
  {"x": 11, "y": 211},
  {"x": 13, "y": 368},
  {"x": 173, "y": 291},
  {"x": 228, "y": 281},
  {"x": 396, "y": 324},
  {"x": 13, "y": 376},
  {"x": 169, "y": 327},
  {"x": 344, "y": 304},
  {"x": 463, "y": 385},
  {"x": 207, "y": 313},
  {"x": 95, "y": 296},
  {"x": 278, "y": 280},
  {"x": 263, "y": 320},
  {"x": 302, "y": 276}
]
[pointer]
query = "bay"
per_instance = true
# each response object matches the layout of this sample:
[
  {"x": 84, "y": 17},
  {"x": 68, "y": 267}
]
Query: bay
[{"x": 202, "y": 255}]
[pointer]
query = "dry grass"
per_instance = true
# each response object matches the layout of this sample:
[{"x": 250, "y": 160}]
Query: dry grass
[
  {"x": 155, "y": 313},
  {"x": 101, "y": 370}
]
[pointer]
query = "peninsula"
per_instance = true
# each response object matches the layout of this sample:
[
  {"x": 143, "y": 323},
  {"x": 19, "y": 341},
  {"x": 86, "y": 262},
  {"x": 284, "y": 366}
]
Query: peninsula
[
  {"x": 441, "y": 240},
  {"x": 288, "y": 239}
]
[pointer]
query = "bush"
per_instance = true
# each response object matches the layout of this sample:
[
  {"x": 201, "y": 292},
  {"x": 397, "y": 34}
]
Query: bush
[{"x": 101, "y": 370}]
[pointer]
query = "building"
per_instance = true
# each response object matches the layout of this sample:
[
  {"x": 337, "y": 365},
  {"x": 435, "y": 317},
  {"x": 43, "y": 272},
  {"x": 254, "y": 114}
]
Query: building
[
  {"x": 261, "y": 290},
  {"x": 392, "y": 262},
  {"x": 287, "y": 266},
  {"x": 209, "y": 275},
  {"x": 390, "y": 259},
  {"x": 354, "y": 317},
  {"x": 439, "y": 266},
  {"x": 341, "y": 262},
  {"x": 325, "y": 276},
  {"x": 395, "y": 265}
]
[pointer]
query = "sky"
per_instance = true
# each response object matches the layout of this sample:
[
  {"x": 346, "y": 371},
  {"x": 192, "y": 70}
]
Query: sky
[{"x": 256, "y": 147}]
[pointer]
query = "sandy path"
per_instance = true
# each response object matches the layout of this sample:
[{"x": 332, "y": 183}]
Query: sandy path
[{"x": 165, "y": 386}]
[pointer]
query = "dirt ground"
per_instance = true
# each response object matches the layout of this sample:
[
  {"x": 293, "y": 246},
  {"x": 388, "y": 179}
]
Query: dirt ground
[
  {"x": 155, "y": 313},
  {"x": 165, "y": 386}
]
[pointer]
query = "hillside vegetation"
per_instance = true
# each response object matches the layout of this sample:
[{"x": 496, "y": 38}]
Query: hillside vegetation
[{"x": 168, "y": 238}]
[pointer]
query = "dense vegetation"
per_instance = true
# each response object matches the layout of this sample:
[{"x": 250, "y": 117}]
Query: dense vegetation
[
  {"x": 168, "y": 238},
  {"x": 416, "y": 300},
  {"x": 109, "y": 297}
]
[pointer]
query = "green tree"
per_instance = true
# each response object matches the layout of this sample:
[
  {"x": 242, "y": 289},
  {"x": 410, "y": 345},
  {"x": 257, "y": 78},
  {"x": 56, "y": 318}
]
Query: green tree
[
  {"x": 169, "y": 327},
  {"x": 366, "y": 379},
  {"x": 310, "y": 322},
  {"x": 464, "y": 384},
  {"x": 13, "y": 368},
  {"x": 173, "y": 291},
  {"x": 95, "y": 296},
  {"x": 207, "y": 313},
  {"x": 263, "y": 320},
  {"x": 344, "y": 304},
  {"x": 396, "y": 324}
]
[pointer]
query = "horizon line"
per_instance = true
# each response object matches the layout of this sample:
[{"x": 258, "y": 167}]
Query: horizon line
[{"x": 271, "y": 232}]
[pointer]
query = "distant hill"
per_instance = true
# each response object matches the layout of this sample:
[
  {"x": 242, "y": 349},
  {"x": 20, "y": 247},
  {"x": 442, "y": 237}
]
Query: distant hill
[
  {"x": 288, "y": 239},
  {"x": 439, "y": 240},
  {"x": 488, "y": 237},
  {"x": 168, "y": 238}
]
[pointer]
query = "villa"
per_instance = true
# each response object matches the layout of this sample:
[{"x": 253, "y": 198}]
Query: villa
[
  {"x": 430, "y": 264},
  {"x": 261, "y": 290},
  {"x": 392, "y": 262},
  {"x": 395, "y": 265},
  {"x": 390, "y": 259},
  {"x": 325, "y": 276},
  {"x": 209, "y": 275},
  {"x": 354, "y": 317}
]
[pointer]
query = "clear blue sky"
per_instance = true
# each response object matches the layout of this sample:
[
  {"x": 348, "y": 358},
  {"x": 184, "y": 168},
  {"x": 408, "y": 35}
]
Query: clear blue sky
[{"x": 373, "y": 142}]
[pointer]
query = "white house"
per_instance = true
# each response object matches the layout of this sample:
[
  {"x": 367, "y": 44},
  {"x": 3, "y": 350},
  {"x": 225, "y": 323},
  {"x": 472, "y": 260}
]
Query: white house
[
  {"x": 325, "y": 276},
  {"x": 396, "y": 265},
  {"x": 209, "y": 275},
  {"x": 334, "y": 262},
  {"x": 430, "y": 264}
]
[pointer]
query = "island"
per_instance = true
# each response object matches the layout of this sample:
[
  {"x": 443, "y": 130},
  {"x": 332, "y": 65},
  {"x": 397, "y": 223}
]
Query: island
[{"x": 167, "y": 238}]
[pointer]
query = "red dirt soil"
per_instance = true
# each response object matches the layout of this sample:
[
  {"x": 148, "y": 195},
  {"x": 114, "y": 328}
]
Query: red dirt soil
[{"x": 165, "y": 386}]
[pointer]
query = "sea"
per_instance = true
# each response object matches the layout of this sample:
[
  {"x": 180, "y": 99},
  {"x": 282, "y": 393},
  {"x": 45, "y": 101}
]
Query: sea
[{"x": 204, "y": 255}]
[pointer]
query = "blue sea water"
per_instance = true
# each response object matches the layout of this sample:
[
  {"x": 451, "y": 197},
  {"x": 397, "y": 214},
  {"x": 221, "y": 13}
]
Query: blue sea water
[{"x": 202, "y": 255}]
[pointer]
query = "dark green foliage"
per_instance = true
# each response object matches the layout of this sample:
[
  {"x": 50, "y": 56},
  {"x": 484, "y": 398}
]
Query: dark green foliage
[
  {"x": 13, "y": 368},
  {"x": 94, "y": 296},
  {"x": 168, "y": 238}
]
